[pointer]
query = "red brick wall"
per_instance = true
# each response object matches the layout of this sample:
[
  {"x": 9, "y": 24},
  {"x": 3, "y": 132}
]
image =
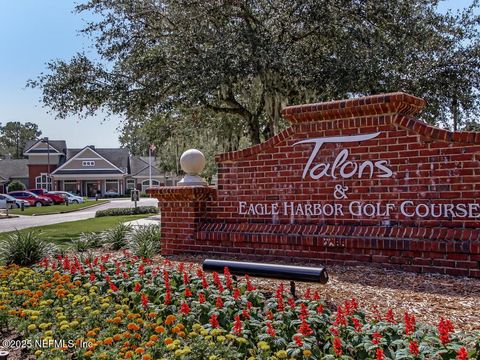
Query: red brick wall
[
  {"x": 36, "y": 170},
  {"x": 429, "y": 167}
]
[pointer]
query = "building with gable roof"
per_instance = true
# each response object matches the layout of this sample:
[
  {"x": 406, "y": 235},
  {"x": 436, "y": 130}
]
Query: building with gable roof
[{"x": 87, "y": 171}]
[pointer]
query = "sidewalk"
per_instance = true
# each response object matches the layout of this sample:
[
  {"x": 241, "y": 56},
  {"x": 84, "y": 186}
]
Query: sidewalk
[{"x": 152, "y": 220}]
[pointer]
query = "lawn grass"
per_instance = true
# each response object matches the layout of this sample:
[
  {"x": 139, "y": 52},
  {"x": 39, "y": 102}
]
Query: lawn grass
[
  {"x": 55, "y": 209},
  {"x": 63, "y": 233}
]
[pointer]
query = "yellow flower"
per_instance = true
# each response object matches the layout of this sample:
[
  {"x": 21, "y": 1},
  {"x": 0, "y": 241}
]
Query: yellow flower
[
  {"x": 282, "y": 354},
  {"x": 307, "y": 352},
  {"x": 32, "y": 327},
  {"x": 221, "y": 339},
  {"x": 263, "y": 345}
]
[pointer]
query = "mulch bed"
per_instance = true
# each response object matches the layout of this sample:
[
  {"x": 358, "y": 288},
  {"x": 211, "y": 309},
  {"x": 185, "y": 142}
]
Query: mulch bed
[{"x": 428, "y": 296}]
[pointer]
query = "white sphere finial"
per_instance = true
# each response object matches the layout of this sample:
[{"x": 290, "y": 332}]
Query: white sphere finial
[{"x": 192, "y": 162}]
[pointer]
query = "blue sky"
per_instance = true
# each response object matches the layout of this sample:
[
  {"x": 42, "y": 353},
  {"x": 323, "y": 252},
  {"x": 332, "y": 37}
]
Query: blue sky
[{"x": 33, "y": 32}]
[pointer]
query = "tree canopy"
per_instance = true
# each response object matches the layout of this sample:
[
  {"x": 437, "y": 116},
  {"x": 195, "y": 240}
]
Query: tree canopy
[
  {"x": 14, "y": 135},
  {"x": 228, "y": 67}
]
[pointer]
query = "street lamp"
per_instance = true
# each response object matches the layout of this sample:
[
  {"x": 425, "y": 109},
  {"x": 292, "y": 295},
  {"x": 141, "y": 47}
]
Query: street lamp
[{"x": 45, "y": 140}]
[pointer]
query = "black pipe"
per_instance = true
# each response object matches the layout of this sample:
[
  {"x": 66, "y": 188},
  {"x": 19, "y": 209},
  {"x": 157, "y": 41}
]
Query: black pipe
[{"x": 297, "y": 273}]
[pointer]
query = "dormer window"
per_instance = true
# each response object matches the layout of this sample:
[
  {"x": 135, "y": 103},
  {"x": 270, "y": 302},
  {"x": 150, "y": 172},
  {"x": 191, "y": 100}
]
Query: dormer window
[{"x": 88, "y": 163}]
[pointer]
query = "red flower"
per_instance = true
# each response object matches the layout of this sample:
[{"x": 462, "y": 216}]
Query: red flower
[
  {"x": 218, "y": 282},
  {"x": 214, "y": 321},
  {"x": 250, "y": 287},
  {"x": 201, "y": 298},
  {"x": 237, "y": 326},
  {"x": 303, "y": 310},
  {"x": 351, "y": 306},
  {"x": 168, "y": 297},
  {"x": 249, "y": 305},
  {"x": 219, "y": 302},
  {"x": 445, "y": 327},
  {"x": 414, "y": 350},
  {"x": 298, "y": 340},
  {"x": 270, "y": 330},
  {"x": 291, "y": 302},
  {"x": 204, "y": 282},
  {"x": 337, "y": 346},
  {"x": 356, "y": 324},
  {"x": 186, "y": 278},
  {"x": 185, "y": 309},
  {"x": 307, "y": 295},
  {"x": 376, "y": 338},
  {"x": 236, "y": 294},
  {"x": 92, "y": 277},
  {"x": 305, "y": 328},
  {"x": 228, "y": 278},
  {"x": 141, "y": 270},
  {"x": 462, "y": 354},
  {"x": 380, "y": 354},
  {"x": 389, "y": 317},
  {"x": 269, "y": 315},
  {"x": 144, "y": 300},
  {"x": 137, "y": 287},
  {"x": 320, "y": 309},
  {"x": 334, "y": 331},
  {"x": 409, "y": 323},
  {"x": 188, "y": 293},
  {"x": 340, "y": 318},
  {"x": 113, "y": 287},
  {"x": 246, "y": 314},
  {"x": 316, "y": 296},
  {"x": 166, "y": 279}
]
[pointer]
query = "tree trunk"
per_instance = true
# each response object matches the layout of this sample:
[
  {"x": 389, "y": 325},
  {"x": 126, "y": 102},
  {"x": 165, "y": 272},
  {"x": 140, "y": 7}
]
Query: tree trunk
[
  {"x": 455, "y": 114},
  {"x": 254, "y": 129}
]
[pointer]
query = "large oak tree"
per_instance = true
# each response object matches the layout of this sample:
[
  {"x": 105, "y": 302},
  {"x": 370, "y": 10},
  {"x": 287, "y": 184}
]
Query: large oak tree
[{"x": 246, "y": 59}]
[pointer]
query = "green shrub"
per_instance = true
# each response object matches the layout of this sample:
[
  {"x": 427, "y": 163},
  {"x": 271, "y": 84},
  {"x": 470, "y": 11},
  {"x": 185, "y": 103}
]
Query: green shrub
[
  {"x": 127, "y": 211},
  {"x": 117, "y": 237},
  {"x": 87, "y": 241},
  {"x": 16, "y": 186},
  {"x": 145, "y": 241},
  {"x": 24, "y": 248}
]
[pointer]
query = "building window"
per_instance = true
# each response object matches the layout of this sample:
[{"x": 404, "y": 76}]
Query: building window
[
  {"x": 88, "y": 163},
  {"x": 111, "y": 187},
  {"x": 130, "y": 184},
  {"x": 43, "y": 182},
  {"x": 70, "y": 186},
  {"x": 146, "y": 184}
]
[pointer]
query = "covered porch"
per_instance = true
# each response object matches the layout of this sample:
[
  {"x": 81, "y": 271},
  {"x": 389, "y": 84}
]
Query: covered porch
[{"x": 90, "y": 187}]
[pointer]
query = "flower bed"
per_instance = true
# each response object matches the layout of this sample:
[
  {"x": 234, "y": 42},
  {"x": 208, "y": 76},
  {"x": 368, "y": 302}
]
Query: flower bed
[{"x": 126, "y": 308}]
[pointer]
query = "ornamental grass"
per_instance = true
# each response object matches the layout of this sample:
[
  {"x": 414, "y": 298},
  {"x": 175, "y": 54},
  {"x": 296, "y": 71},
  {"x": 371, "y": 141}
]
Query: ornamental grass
[{"x": 131, "y": 308}]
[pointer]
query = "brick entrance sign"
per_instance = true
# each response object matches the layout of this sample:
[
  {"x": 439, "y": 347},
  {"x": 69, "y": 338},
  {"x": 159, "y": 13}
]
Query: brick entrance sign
[{"x": 351, "y": 181}]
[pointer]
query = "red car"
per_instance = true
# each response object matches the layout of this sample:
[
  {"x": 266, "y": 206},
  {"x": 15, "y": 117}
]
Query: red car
[
  {"x": 56, "y": 198},
  {"x": 32, "y": 198}
]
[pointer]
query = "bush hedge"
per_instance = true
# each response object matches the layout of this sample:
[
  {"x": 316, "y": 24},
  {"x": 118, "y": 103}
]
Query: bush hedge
[{"x": 127, "y": 211}]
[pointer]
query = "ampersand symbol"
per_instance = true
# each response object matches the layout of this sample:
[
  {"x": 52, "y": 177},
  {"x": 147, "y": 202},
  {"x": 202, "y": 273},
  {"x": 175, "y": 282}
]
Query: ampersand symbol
[{"x": 340, "y": 192}]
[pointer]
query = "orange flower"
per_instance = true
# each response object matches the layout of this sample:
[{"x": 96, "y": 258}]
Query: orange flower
[
  {"x": 146, "y": 357},
  {"x": 159, "y": 329},
  {"x": 181, "y": 326},
  {"x": 128, "y": 354},
  {"x": 137, "y": 336},
  {"x": 117, "y": 337},
  {"x": 126, "y": 335},
  {"x": 170, "y": 319},
  {"x": 108, "y": 341},
  {"x": 168, "y": 341},
  {"x": 88, "y": 353},
  {"x": 150, "y": 343},
  {"x": 91, "y": 333},
  {"x": 181, "y": 334},
  {"x": 133, "y": 327},
  {"x": 154, "y": 338},
  {"x": 152, "y": 315},
  {"x": 175, "y": 329},
  {"x": 139, "y": 350}
]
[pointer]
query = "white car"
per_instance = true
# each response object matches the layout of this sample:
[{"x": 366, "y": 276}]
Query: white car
[
  {"x": 12, "y": 202},
  {"x": 72, "y": 199}
]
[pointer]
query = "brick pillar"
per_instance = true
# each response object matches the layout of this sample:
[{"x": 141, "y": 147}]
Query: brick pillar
[{"x": 182, "y": 209}]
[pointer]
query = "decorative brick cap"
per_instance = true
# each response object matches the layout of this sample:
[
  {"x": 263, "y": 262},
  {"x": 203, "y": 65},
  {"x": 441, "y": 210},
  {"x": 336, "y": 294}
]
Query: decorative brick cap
[
  {"x": 182, "y": 193},
  {"x": 400, "y": 103}
]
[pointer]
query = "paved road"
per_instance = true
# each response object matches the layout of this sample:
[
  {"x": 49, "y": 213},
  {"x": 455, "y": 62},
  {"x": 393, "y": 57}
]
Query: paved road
[{"x": 24, "y": 222}]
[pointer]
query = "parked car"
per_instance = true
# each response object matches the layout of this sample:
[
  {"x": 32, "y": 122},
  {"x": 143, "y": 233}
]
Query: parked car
[
  {"x": 56, "y": 198},
  {"x": 71, "y": 198},
  {"x": 32, "y": 198},
  {"x": 11, "y": 202}
]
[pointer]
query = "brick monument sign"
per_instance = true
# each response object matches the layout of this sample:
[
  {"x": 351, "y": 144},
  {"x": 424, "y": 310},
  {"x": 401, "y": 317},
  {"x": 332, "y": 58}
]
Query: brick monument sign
[{"x": 351, "y": 181}]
